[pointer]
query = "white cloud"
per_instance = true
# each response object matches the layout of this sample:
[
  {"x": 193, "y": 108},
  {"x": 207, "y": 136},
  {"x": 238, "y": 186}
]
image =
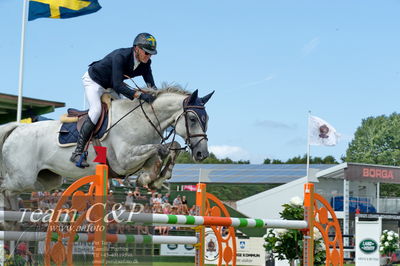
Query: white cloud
[
  {"x": 254, "y": 83},
  {"x": 296, "y": 142},
  {"x": 270, "y": 124},
  {"x": 310, "y": 46},
  {"x": 235, "y": 153}
]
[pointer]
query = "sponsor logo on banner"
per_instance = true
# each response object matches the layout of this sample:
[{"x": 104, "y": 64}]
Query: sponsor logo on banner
[
  {"x": 373, "y": 173},
  {"x": 377, "y": 173},
  {"x": 367, "y": 239},
  {"x": 177, "y": 250},
  {"x": 211, "y": 246},
  {"x": 189, "y": 187},
  {"x": 249, "y": 251},
  {"x": 368, "y": 246}
]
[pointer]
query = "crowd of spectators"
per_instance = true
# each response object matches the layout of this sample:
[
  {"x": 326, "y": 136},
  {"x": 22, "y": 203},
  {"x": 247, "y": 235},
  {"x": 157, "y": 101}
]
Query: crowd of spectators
[
  {"x": 135, "y": 201},
  {"x": 139, "y": 201}
]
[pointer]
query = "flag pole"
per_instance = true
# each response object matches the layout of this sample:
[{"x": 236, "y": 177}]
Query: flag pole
[
  {"x": 21, "y": 62},
  {"x": 308, "y": 145}
]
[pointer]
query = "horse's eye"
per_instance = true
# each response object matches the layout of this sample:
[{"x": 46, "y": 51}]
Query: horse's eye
[{"x": 193, "y": 119}]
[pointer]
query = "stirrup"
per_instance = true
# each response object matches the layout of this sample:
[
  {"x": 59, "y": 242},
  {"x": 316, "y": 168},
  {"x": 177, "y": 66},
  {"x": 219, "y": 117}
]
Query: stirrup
[{"x": 81, "y": 162}]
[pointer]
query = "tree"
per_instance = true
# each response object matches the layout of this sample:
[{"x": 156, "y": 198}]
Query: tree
[
  {"x": 376, "y": 141},
  {"x": 186, "y": 157},
  {"x": 303, "y": 160}
]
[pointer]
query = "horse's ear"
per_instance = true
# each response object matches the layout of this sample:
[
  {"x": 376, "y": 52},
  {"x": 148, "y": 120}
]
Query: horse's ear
[
  {"x": 207, "y": 97},
  {"x": 193, "y": 97}
]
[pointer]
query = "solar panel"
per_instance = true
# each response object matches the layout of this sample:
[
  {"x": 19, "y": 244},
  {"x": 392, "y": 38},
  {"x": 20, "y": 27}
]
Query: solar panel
[{"x": 243, "y": 173}]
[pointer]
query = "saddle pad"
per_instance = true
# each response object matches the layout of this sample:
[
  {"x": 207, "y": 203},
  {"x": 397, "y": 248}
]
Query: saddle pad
[{"x": 68, "y": 134}]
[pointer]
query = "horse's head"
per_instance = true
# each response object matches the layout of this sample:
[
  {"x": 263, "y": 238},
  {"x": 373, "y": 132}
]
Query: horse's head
[{"x": 192, "y": 125}]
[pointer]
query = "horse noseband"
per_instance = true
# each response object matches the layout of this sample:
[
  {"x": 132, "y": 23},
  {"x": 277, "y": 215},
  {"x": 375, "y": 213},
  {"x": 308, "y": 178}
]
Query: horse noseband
[{"x": 200, "y": 112}]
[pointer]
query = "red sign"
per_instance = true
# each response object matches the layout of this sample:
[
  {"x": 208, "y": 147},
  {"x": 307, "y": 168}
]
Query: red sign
[
  {"x": 101, "y": 154},
  {"x": 377, "y": 173},
  {"x": 189, "y": 187},
  {"x": 385, "y": 174}
]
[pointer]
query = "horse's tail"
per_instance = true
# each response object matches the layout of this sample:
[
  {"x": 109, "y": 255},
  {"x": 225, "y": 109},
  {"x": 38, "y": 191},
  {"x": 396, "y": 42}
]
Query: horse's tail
[{"x": 5, "y": 131}]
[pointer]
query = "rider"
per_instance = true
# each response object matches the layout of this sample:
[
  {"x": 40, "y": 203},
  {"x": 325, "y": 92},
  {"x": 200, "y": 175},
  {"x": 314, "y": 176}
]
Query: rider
[{"x": 110, "y": 72}]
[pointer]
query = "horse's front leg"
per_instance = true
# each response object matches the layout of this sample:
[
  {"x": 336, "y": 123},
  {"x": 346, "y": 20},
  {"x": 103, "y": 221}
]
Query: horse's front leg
[
  {"x": 169, "y": 163},
  {"x": 150, "y": 170},
  {"x": 147, "y": 158}
]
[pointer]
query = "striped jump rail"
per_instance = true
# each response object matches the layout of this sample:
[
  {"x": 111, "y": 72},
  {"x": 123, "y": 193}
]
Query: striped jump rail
[
  {"x": 112, "y": 238},
  {"x": 151, "y": 219}
]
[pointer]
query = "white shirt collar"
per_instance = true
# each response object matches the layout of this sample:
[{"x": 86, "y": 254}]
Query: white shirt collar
[{"x": 136, "y": 62}]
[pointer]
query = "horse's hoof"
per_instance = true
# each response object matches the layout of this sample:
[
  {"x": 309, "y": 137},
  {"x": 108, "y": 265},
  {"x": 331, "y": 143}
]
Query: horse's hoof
[
  {"x": 152, "y": 187},
  {"x": 163, "y": 151}
]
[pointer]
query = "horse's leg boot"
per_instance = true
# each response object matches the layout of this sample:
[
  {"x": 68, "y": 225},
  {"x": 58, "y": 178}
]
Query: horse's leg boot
[{"x": 79, "y": 156}]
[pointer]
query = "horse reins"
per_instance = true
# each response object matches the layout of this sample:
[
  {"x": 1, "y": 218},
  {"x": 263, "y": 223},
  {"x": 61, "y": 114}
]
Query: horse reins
[{"x": 186, "y": 109}]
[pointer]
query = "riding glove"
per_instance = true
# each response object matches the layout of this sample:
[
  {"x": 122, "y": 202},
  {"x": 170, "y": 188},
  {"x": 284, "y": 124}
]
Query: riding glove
[{"x": 147, "y": 97}]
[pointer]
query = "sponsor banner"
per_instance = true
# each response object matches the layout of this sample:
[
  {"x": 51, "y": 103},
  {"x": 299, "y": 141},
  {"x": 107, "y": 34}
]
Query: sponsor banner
[
  {"x": 249, "y": 251},
  {"x": 189, "y": 187},
  {"x": 177, "y": 250},
  {"x": 367, "y": 242},
  {"x": 373, "y": 173},
  {"x": 384, "y": 216}
]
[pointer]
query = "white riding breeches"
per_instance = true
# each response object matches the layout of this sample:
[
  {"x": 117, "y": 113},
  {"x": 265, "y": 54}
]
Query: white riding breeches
[{"x": 93, "y": 92}]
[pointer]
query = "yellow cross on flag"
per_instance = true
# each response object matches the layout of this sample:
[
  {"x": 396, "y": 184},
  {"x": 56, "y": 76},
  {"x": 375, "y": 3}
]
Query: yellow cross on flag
[{"x": 61, "y": 8}]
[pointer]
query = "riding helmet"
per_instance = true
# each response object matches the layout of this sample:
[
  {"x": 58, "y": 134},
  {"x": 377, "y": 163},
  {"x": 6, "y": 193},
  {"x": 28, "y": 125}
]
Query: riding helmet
[{"x": 147, "y": 42}]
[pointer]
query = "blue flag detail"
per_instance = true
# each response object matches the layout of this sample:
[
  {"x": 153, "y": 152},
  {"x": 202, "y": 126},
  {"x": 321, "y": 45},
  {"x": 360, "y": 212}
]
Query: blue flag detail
[{"x": 61, "y": 8}]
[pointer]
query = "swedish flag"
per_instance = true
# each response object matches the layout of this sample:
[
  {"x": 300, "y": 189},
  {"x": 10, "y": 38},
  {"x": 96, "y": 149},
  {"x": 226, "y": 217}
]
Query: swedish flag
[{"x": 61, "y": 8}]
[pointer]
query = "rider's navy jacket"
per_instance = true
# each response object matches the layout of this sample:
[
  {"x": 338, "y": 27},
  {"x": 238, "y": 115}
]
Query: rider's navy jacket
[{"x": 109, "y": 72}]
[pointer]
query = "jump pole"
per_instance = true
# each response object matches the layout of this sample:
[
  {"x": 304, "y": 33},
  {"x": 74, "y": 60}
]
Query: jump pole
[
  {"x": 212, "y": 217},
  {"x": 165, "y": 219},
  {"x": 110, "y": 238},
  {"x": 314, "y": 206}
]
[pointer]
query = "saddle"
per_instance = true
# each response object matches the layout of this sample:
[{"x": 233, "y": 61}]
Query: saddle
[{"x": 73, "y": 121}]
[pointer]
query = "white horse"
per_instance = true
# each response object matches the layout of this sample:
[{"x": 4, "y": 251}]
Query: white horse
[{"x": 31, "y": 159}]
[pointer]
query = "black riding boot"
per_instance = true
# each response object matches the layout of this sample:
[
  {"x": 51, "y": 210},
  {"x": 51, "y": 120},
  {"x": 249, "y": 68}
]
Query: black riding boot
[{"x": 78, "y": 157}]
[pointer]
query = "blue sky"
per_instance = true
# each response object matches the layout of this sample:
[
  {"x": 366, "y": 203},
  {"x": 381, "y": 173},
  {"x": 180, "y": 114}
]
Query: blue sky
[{"x": 270, "y": 62}]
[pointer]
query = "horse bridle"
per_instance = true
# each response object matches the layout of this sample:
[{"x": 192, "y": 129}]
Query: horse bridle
[
  {"x": 186, "y": 110},
  {"x": 189, "y": 136}
]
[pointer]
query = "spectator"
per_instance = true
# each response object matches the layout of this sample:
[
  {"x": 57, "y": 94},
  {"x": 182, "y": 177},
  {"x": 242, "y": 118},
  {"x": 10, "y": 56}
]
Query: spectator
[
  {"x": 178, "y": 204},
  {"x": 166, "y": 208},
  {"x": 129, "y": 200},
  {"x": 174, "y": 210},
  {"x": 110, "y": 200},
  {"x": 151, "y": 201},
  {"x": 158, "y": 200},
  {"x": 53, "y": 203},
  {"x": 112, "y": 228},
  {"x": 185, "y": 209},
  {"x": 165, "y": 199},
  {"x": 55, "y": 193},
  {"x": 35, "y": 199},
  {"x": 177, "y": 201},
  {"x": 44, "y": 204},
  {"x": 137, "y": 194},
  {"x": 194, "y": 211}
]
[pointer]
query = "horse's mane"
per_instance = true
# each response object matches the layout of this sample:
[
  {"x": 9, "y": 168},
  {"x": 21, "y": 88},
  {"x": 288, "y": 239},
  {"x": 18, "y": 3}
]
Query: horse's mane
[{"x": 169, "y": 88}]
